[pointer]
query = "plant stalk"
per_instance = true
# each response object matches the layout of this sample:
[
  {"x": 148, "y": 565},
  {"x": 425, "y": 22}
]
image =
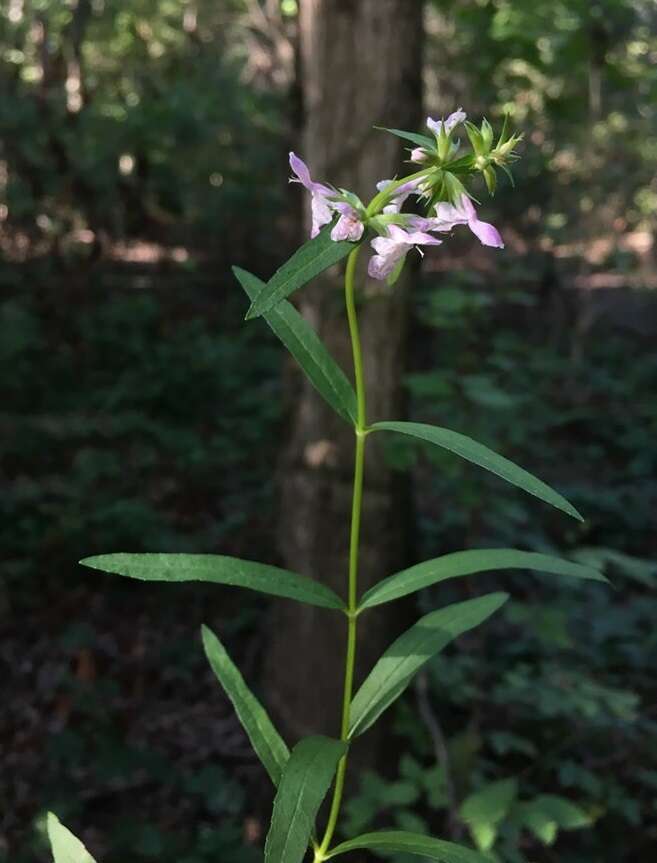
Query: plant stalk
[{"x": 354, "y": 542}]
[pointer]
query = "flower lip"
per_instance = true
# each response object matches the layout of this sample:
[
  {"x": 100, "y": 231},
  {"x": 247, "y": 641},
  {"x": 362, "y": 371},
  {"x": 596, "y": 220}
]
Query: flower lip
[
  {"x": 464, "y": 213},
  {"x": 391, "y": 249}
]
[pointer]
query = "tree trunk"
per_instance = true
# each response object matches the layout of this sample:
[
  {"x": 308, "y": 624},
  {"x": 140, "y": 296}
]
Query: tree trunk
[{"x": 360, "y": 67}]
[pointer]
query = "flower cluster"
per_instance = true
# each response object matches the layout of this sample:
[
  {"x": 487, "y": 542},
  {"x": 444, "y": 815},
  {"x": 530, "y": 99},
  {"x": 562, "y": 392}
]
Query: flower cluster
[{"x": 439, "y": 185}]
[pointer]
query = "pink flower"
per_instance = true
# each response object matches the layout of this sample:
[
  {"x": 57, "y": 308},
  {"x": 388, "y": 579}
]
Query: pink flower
[
  {"x": 464, "y": 213},
  {"x": 452, "y": 121},
  {"x": 320, "y": 205},
  {"x": 419, "y": 154},
  {"x": 349, "y": 226},
  {"x": 399, "y": 195},
  {"x": 392, "y": 249}
]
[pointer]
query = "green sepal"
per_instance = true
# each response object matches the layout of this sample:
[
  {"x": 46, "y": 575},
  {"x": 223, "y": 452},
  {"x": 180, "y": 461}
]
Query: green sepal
[
  {"x": 218, "y": 569},
  {"x": 307, "y": 348},
  {"x": 400, "y": 662},
  {"x": 478, "y": 454},
  {"x": 266, "y": 741},
  {"x": 309, "y": 261},
  {"x": 461, "y": 563},
  {"x": 306, "y": 778}
]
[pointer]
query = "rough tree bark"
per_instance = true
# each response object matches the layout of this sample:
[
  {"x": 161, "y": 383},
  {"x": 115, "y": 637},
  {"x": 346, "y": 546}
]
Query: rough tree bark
[{"x": 360, "y": 66}]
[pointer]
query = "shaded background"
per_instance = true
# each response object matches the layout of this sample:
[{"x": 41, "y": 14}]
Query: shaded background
[{"x": 143, "y": 149}]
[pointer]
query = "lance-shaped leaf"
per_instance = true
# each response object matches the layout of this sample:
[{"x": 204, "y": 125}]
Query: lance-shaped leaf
[
  {"x": 399, "y": 841},
  {"x": 307, "y": 348},
  {"x": 306, "y": 779},
  {"x": 479, "y": 454},
  {"x": 395, "y": 669},
  {"x": 309, "y": 261},
  {"x": 266, "y": 741},
  {"x": 421, "y": 140},
  {"x": 461, "y": 563},
  {"x": 218, "y": 569},
  {"x": 66, "y": 848}
]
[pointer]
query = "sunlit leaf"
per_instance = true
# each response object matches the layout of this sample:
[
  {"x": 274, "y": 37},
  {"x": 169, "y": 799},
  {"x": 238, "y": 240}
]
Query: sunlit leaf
[
  {"x": 395, "y": 669},
  {"x": 66, "y": 848},
  {"x": 266, "y": 741},
  {"x": 218, "y": 569},
  {"x": 486, "y": 808},
  {"x": 307, "y": 348},
  {"x": 462, "y": 563},
  {"x": 480, "y": 455},
  {"x": 309, "y": 261},
  {"x": 306, "y": 778}
]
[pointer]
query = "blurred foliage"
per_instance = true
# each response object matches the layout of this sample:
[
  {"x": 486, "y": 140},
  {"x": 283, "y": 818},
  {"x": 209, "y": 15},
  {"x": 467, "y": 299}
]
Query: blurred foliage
[{"x": 132, "y": 119}]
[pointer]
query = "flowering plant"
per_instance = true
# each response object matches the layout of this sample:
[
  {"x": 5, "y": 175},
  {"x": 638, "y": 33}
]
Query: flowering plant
[{"x": 340, "y": 225}]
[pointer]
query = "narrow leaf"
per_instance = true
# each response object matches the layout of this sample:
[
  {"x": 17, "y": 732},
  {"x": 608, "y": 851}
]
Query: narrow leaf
[
  {"x": 479, "y": 454},
  {"x": 466, "y": 563},
  {"x": 309, "y": 261},
  {"x": 421, "y": 140},
  {"x": 66, "y": 848},
  {"x": 220, "y": 570},
  {"x": 266, "y": 741},
  {"x": 307, "y": 348},
  {"x": 306, "y": 779},
  {"x": 395, "y": 669},
  {"x": 398, "y": 841}
]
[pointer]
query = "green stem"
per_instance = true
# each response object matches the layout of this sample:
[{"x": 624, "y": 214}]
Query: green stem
[{"x": 354, "y": 540}]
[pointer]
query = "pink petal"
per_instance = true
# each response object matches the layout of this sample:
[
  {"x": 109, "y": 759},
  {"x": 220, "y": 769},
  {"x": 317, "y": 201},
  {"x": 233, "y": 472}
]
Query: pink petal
[
  {"x": 454, "y": 119},
  {"x": 379, "y": 268},
  {"x": 348, "y": 227},
  {"x": 419, "y": 154},
  {"x": 487, "y": 233},
  {"x": 300, "y": 169},
  {"x": 321, "y": 212}
]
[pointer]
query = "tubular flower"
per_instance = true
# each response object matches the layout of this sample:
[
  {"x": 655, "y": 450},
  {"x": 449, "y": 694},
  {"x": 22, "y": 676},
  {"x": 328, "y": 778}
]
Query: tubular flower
[
  {"x": 391, "y": 250},
  {"x": 464, "y": 213},
  {"x": 320, "y": 205},
  {"x": 349, "y": 226},
  {"x": 453, "y": 120},
  {"x": 400, "y": 194}
]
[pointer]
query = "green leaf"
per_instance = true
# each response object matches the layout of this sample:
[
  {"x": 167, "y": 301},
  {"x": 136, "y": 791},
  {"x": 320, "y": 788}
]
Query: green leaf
[
  {"x": 309, "y": 261},
  {"x": 567, "y": 815},
  {"x": 421, "y": 140},
  {"x": 307, "y": 348},
  {"x": 398, "y": 841},
  {"x": 547, "y": 813},
  {"x": 395, "y": 669},
  {"x": 66, "y": 848},
  {"x": 266, "y": 741},
  {"x": 479, "y": 454},
  {"x": 486, "y": 808},
  {"x": 220, "y": 570},
  {"x": 305, "y": 781},
  {"x": 466, "y": 563}
]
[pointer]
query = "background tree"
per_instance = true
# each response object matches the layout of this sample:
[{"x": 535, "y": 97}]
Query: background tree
[{"x": 356, "y": 72}]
